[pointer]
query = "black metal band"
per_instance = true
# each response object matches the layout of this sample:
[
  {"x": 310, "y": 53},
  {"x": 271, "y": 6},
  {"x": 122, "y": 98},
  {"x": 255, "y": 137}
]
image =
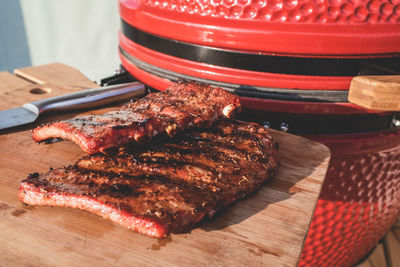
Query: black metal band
[
  {"x": 256, "y": 62},
  {"x": 245, "y": 90},
  {"x": 314, "y": 124}
]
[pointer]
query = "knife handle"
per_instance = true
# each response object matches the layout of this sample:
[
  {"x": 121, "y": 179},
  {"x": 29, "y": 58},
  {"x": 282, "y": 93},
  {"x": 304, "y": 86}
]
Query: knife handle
[{"x": 89, "y": 98}]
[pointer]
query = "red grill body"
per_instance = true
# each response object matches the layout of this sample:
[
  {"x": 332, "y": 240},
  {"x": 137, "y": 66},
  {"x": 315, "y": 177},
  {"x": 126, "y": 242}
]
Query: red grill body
[
  {"x": 214, "y": 41},
  {"x": 359, "y": 201}
]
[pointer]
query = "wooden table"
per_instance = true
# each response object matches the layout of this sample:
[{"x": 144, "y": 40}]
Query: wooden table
[{"x": 267, "y": 228}]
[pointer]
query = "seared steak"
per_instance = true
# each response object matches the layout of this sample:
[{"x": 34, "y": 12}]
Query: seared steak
[
  {"x": 182, "y": 106},
  {"x": 167, "y": 186}
]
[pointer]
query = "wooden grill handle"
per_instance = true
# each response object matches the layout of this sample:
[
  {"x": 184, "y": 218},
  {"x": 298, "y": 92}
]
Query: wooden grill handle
[{"x": 376, "y": 92}]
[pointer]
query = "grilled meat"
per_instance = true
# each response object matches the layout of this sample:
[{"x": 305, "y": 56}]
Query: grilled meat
[
  {"x": 167, "y": 186},
  {"x": 182, "y": 106}
]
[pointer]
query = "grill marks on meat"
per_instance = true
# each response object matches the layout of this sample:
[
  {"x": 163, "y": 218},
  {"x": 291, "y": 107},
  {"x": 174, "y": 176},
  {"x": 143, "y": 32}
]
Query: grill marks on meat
[
  {"x": 182, "y": 106},
  {"x": 149, "y": 205},
  {"x": 165, "y": 187}
]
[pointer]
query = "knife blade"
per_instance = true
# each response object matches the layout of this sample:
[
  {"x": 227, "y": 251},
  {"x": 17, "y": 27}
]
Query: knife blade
[{"x": 84, "y": 99}]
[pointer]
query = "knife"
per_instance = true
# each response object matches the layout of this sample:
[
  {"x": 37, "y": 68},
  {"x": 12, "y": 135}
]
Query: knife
[{"x": 89, "y": 98}]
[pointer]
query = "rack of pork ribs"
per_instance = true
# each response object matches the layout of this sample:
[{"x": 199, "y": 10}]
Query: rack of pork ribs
[{"x": 181, "y": 157}]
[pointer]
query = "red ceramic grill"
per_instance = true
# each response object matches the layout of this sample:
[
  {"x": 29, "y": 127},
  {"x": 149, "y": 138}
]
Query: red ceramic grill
[{"x": 291, "y": 63}]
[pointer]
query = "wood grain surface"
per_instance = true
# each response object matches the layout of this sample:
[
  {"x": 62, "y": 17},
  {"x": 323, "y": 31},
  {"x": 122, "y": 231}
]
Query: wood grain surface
[
  {"x": 267, "y": 228},
  {"x": 376, "y": 92}
]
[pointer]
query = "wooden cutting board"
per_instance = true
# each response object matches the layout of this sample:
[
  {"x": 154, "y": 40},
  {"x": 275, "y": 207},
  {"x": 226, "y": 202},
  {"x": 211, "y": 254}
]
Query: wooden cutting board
[{"x": 267, "y": 228}]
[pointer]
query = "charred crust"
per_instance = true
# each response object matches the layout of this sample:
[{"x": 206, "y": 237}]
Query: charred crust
[
  {"x": 183, "y": 106},
  {"x": 172, "y": 181},
  {"x": 33, "y": 175}
]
